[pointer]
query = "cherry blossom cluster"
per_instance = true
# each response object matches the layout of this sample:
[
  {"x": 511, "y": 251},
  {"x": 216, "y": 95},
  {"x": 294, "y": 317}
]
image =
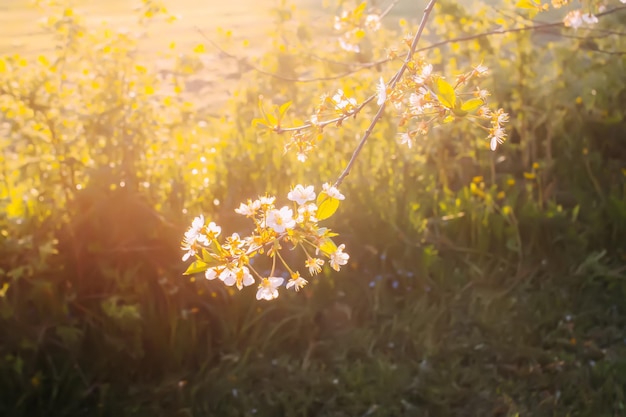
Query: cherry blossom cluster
[
  {"x": 423, "y": 99},
  {"x": 353, "y": 24},
  {"x": 230, "y": 259}
]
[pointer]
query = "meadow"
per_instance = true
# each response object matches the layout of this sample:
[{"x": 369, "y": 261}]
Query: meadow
[{"x": 480, "y": 283}]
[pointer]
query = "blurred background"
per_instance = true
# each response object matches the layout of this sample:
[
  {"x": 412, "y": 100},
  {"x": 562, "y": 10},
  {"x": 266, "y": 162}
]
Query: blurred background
[{"x": 479, "y": 282}]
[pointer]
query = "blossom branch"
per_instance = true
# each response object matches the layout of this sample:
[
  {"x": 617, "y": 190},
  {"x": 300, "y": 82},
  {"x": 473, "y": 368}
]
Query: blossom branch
[
  {"x": 392, "y": 84},
  {"x": 538, "y": 27},
  {"x": 364, "y": 66}
]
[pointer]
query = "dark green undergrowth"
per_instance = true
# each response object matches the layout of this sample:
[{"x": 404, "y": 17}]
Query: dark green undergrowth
[{"x": 479, "y": 283}]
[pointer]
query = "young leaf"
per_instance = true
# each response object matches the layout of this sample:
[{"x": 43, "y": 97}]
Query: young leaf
[
  {"x": 358, "y": 12},
  {"x": 533, "y": 5},
  {"x": 326, "y": 206},
  {"x": 445, "y": 93},
  {"x": 328, "y": 246},
  {"x": 462, "y": 109},
  {"x": 271, "y": 120},
  {"x": 260, "y": 122},
  {"x": 283, "y": 109},
  {"x": 528, "y": 4},
  {"x": 209, "y": 259},
  {"x": 471, "y": 105},
  {"x": 195, "y": 267}
]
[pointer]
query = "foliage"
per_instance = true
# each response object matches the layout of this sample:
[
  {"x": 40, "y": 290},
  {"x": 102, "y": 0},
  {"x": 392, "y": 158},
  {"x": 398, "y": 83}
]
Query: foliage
[{"x": 480, "y": 283}]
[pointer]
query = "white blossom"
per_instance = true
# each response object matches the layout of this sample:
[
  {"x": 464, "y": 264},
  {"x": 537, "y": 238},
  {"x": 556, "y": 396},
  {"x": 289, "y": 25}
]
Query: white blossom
[
  {"x": 332, "y": 191},
  {"x": 381, "y": 92},
  {"x": 281, "y": 220},
  {"x": 249, "y": 209},
  {"x": 296, "y": 282},
  {"x": 268, "y": 288},
  {"x": 405, "y": 138},
  {"x": 239, "y": 276},
  {"x": 301, "y": 194},
  {"x": 339, "y": 258}
]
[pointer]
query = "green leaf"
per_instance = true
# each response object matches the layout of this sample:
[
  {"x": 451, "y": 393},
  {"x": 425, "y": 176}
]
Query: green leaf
[
  {"x": 448, "y": 119},
  {"x": 533, "y": 5},
  {"x": 271, "y": 120},
  {"x": 528, "y": 4},
  {"x": 283, "y": 109},
  {"x": 471, "y": 105},
  {"x": 209, "y": 259},
  {"x": 445, "y": 93},
  {"x": 358, "y": 12},
  {"x": 328, "y": 246},
  {"x": 195, "y": 267},
  {"x": 325, "y": 232},
  {"x": 326, "y": 206},
  {"x": 258, "y": 121}
]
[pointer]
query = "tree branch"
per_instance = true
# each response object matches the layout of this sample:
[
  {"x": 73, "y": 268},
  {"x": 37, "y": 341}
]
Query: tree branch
[
  {"x": 392, "y": 84},
  {"x": 538, "y": 27}
]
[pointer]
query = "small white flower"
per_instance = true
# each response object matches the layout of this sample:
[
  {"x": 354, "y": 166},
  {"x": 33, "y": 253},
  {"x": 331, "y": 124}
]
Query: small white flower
[
  {"x": 481, "y": 70},
  {"x": 213, "y": 230},
  {"x": 249, "y": 209},
  {"x": 342, "y": 102},
  {"x": 234, "y": 241},
  {"x": 296, "y": 282},
  {"x": 266, "y": 200},
  {"x": 314, "y": 265},
  {"x": 589, "y": 19},
  {"x": 405, "y": 138},
  {"x": 190, "y": 248},
  {"x": 424, "y": 74},
  {"x": 372, "y": 21},
  {"x": 381, "y": 92},
  {"x": 281, "y": 220},
  {"x": 339, "y": 258},
  {"x": 194, "y": 234},
  {"x": 338, "y": 23},
  {"x": 301, "y": 194},
  {"x": 332, "y": 191},
  {"x": 194, "y": 237},
  {"x": 482, "y": 94},
  {"x": 196, "y": 227},
  {"x": 347, "y": 46},
  {"x": 416, "y": 101},
  {"x": 239, "y": 276},
  {"x": 573, "y": 19},
  {"x": 211, "y": 273},
  {"x": 497, "y": 137},
  {"x": 307, "y": 212},
  {"x": 268, "y": 288},
  {"x": 484, "y": 112},
  {"x": 228, "y": 276}
]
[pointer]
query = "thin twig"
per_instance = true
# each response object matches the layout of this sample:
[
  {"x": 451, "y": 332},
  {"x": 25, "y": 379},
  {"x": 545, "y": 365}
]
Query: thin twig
[
  {"x": 538, "y": 27},
  {"x": 514, "y": 30},
  {"x": 392, "y": 84},
  {"x": 388, "y": 9},
  {"x": 247, "y": 63}
]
